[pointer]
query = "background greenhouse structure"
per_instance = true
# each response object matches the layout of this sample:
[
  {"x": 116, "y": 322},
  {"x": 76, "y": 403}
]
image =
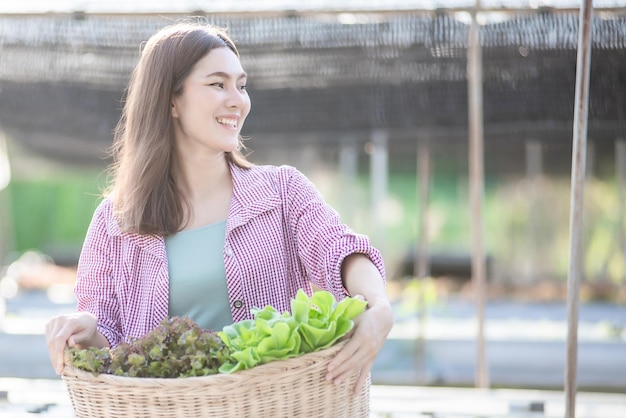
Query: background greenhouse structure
[
  {"x": 328, "y": 76},
  {"x": 364, "y": 92},
  {"x": 344, "y": 85}
]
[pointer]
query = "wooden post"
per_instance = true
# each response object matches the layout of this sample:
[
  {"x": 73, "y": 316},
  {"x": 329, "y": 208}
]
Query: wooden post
[
  {"x": 379, "y": 174},
  {"x": 581, "y": 105},
  {"x": 534, "y": 170},
  {"x": 620, "y": 182},
  {"x": 421, "y": 268},
  {"x": 348, "y": 166},
  {"x": 5, "y": 178},
  {"x": 590, "y": 159},
  {"x": 5, "y": 168},
  {"x": 476, "y": 168}
]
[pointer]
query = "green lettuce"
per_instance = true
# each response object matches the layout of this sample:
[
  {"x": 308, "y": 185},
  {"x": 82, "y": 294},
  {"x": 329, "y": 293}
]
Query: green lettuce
[
  {"x": 322, "y": 320},
  {"x": 269, "y": 336},
  {"x": 315, "y": 323}
]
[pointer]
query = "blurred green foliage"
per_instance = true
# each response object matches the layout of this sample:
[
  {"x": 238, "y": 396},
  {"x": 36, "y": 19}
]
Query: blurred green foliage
[
  {"x": 526, "y": 221},
  {"x": 526, "y": 224},
  {"x": 52, "y": 214}
]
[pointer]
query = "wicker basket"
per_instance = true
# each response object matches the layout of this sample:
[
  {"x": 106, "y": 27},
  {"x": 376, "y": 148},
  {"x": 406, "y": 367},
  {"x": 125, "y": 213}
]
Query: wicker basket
[{"x": 286, "y": 388}]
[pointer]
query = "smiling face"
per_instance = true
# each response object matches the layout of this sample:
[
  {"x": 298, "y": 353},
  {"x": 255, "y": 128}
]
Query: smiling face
[{"x": 209, "y": 113}]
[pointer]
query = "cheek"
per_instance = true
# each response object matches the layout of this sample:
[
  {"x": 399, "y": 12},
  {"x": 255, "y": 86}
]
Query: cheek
[{"x": 248, "y": 105}]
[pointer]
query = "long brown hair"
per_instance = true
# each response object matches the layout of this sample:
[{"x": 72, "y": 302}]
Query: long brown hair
[{"x": 145, "y": 198}]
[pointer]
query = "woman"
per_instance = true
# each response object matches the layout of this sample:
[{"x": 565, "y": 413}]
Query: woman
[{"x": 189, "y": 227}]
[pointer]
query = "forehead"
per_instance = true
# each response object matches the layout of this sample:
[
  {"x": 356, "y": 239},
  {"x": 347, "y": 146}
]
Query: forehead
[{"x": 217, "y": 60}]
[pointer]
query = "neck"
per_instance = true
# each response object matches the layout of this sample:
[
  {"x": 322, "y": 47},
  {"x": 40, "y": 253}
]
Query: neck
[
  {"x": 207, "y": 186},
  {"x": 200, "y": 177}
]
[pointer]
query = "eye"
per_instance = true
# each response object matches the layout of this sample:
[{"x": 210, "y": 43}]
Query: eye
[
  {"x": 219, "y": 84},
  {"x": 243, "y": 87}
]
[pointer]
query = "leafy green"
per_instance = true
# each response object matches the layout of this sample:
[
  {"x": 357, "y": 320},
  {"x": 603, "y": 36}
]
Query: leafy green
[
  {"x": 178, "y": 347},
  {"x": 91, "y": 359},
  {"x": 315, "y": 323},
  {"x": 269, "y": 336},
  {"x": 322, "y": 320}
]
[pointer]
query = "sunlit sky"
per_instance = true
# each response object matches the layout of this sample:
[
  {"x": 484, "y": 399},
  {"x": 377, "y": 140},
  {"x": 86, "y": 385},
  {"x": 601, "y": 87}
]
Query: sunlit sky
[{"x": 182, "y": 6}]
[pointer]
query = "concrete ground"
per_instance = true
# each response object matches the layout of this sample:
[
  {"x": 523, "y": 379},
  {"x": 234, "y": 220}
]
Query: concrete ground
[{"x": 24, "y": 398}]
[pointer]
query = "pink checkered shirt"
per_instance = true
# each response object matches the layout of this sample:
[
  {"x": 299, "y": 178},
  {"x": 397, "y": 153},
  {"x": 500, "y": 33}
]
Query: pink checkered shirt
[{"x": 280, "y": 236}]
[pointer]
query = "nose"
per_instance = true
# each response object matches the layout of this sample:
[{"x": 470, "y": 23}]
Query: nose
[{"x": 237, "y": 98}]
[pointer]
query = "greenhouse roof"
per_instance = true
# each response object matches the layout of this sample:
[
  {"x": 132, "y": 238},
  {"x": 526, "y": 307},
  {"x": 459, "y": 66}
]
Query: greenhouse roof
[
  {"x": 230, "y": 6},
  {"x": 62, "y": 76}
]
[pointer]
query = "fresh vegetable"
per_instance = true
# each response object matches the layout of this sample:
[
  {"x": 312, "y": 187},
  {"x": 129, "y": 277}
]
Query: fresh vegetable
[
  {"x": 315, "y": 323},
  {"x": 322, "y": 320},
  {"x": 269, "y": 336},
  {"x": 178, "y": 347}
]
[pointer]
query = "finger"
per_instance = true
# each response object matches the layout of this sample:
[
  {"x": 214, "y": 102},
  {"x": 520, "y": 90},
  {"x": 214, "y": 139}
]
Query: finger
[
  {"x": 348, "y": 369},
  {"x": 52, "y": 332},
  {"x": 348, "y": 373},
  {"x": 58, "y": 340},
  {"x": 353, "y": 357},
  {"x": 57, "y": 352},
  {"x": 362, "y": 380},
  {"x": 343, "y": 361}
]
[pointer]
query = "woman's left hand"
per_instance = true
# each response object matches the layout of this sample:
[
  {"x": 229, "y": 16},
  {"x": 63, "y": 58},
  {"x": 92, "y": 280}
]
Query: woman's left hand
[{"x": 366, "y": 341}]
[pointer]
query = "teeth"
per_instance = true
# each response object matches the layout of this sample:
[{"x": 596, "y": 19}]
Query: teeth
[{"x": 229, "y": 122}]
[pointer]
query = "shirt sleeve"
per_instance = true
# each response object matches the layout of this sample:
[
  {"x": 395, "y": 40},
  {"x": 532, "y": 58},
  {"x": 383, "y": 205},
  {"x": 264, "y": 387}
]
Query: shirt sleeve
[
  {"x": 323, "y": 241},
  {"x": 95, "y": 287}
]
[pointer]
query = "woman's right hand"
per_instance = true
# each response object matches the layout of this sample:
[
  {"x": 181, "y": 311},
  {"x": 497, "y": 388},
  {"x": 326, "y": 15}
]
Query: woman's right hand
[{"x": 72, "y": 330}]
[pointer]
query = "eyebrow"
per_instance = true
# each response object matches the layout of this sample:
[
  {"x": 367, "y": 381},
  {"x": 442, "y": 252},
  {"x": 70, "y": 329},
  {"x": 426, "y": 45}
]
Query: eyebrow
[{"x": 225, "y": 75}]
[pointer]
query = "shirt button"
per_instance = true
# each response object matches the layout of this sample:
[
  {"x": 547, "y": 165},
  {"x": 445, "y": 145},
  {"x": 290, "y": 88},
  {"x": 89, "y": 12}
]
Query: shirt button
[
  {"x": 228, "y": 251},
  {"x": 238, "y": 304}
]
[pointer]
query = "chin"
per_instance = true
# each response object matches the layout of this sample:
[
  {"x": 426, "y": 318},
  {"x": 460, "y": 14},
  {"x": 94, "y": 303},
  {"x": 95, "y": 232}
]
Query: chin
[{"x": 231, "y": 147}]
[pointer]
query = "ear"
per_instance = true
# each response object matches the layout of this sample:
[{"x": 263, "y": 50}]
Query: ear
[{"x": 174, "y": 111}]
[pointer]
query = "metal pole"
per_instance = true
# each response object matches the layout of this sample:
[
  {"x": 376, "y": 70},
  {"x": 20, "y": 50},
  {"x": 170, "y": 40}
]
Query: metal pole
[
  {"x": 576, "y": 203},
  {"x": 476, "y": 168}
]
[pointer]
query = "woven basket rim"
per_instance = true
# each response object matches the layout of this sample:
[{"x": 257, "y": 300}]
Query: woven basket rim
[
  {"x": 263, "y": 371},
  {"x": 289, "y": 388}
]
